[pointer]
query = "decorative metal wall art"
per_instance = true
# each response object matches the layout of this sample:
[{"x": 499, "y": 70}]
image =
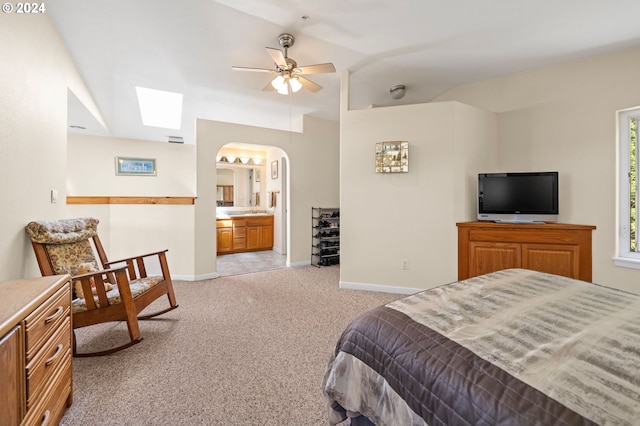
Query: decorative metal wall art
[{"x": 392, "y": 157}]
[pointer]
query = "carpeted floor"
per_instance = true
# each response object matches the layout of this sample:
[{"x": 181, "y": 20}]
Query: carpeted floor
[{"x": 241, "y": 350}]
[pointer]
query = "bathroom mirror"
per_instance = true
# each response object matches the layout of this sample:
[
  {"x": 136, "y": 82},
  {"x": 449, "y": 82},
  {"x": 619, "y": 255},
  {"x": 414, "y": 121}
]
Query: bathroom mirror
[{"x": 246, "y": 185}]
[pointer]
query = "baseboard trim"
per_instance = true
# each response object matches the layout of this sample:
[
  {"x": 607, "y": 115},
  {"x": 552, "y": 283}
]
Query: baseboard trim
[
  {"x": 297, "y": 264},
  {"x": 379, "y": 288},
  {"x": 195, "y": 277}
]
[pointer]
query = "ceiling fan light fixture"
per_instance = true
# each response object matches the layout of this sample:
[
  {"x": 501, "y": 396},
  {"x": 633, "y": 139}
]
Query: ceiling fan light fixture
[
  {"x": 283, "y": 89},
  {"x": 295, "y": 84},
  {"x": 280, "y": 84},
  {"x": 285, "y": 84},
  {"x": 277, "y": 82}
]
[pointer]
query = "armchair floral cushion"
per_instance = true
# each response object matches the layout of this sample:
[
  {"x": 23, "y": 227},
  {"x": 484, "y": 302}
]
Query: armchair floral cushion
[
  {"x": 67, "y": 242},
  {"x": 63, "y": 231}
]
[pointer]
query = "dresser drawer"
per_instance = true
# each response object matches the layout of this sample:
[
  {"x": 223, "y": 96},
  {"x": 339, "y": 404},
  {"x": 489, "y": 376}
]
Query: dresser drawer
[
  {"x": 42, "y": 322},
  {"x": 51, "y": 408},
  {"x": 48, "y": 361}
]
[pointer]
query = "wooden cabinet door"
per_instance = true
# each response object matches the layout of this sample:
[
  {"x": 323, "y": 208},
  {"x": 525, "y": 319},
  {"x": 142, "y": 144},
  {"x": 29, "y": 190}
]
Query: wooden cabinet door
[
  {"x": 552, "y": 258},
  {"x": 253, "y": 237},
  {"x": 266, "y": 237},
  {"x": 11, "y": 374},
  {"x": 225, "y": 240},
  {"x": 485, "y": 257},
  {"x": 260, "y": 233}
]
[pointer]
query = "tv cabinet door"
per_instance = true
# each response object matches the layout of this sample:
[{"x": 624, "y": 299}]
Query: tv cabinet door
[
  {"x": 552, "y": 258},
  {"x": 485, "y": 257}
]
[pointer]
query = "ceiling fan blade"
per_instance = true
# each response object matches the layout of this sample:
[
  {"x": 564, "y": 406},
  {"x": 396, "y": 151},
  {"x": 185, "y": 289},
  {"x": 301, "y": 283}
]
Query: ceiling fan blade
[
  {"x": 315, "y": 69},
  {"x": 253, "y": 69},
  {"x": 269, "y": 87},
  {"x": 277, "y": 57},
  {"x": 309, "y": 85}
]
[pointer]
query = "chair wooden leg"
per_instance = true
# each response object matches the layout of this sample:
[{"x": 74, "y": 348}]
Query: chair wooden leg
[
  {"x": 164, "y": 266},
  {"x": 172, "y": 297},
  {"x": 132, "y": 325}
]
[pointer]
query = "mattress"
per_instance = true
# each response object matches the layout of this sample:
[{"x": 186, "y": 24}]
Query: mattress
[{"x": 514, "y": 347}]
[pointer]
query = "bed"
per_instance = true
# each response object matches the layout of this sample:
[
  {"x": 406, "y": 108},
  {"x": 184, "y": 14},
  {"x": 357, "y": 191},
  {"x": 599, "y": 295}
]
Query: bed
[{"x": 514, "y": 347}]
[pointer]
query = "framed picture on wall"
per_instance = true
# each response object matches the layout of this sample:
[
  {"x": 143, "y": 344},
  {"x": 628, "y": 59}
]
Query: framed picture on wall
[
  {"x": 274, "y": 169},
  {"x": 126, "y": 166}
]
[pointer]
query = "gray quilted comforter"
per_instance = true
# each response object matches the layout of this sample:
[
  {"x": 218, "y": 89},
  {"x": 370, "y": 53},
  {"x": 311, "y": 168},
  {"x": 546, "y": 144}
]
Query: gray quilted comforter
[{"x": 514, "y": 347}]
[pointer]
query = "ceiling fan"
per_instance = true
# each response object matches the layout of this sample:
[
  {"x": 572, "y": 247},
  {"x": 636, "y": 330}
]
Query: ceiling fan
[{"x": 289, "y": 75}]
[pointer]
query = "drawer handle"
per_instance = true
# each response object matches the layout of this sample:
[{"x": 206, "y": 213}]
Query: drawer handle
[
  {"x": 53, "y": 316},
  {"x": 45, "y": 419},
  {"x": 53, "y": 358}
]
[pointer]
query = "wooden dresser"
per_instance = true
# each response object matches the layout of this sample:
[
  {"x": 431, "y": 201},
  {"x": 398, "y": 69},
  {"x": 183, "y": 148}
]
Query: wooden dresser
[
  {"x": 555, "y": 248},
  {"x": 35, "y": 350}
]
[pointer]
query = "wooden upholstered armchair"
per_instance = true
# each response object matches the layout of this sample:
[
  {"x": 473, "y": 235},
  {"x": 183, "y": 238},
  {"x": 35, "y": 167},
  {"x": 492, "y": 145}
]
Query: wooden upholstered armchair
[{"x": 62, "y": 246}]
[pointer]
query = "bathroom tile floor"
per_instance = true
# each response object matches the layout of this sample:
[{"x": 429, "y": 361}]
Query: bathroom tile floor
[{"x": 244, "y": 263}]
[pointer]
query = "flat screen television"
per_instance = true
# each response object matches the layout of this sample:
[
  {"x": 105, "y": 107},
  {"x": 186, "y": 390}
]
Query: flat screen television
[{"x": 529, "y": 197}]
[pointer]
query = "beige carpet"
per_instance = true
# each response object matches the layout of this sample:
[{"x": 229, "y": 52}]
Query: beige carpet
[{"x": 241, "y": 350}]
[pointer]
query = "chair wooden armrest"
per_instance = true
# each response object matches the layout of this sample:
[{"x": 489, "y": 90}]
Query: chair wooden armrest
[
  {"x": 111, "y": 262},
  {"x": 136, "y": 266},
  {"x": 114, "y": 276}
]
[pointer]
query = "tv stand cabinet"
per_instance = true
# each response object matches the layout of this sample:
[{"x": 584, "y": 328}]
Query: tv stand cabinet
[{"x": 555, "y": 248}]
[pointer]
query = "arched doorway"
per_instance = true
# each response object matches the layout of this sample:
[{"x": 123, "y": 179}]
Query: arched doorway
[{"x": 252, "y": 180}]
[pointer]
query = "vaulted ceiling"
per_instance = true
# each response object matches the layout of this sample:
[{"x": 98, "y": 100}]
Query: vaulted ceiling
[{"x": 430, "y": 46}]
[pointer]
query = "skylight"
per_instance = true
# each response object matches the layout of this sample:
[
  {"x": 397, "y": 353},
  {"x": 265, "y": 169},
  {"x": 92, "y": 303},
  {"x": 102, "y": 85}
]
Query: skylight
[{"x": 159, "y": 108}]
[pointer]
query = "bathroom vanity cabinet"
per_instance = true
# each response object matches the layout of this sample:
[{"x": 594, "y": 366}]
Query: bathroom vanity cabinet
[{"x": 244, "y": 233}]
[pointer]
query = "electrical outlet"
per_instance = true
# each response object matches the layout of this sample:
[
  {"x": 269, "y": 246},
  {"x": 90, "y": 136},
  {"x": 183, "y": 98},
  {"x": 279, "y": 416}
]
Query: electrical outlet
[{"x": 404, "y": 264}]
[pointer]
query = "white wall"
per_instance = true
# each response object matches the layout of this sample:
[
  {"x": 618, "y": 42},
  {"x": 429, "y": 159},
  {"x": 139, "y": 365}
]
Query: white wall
[
  {"x": 389, "y": 217},
  {"x": 278, "y": 186},
  {"x": 563, "y": 118},
  {"x": 313, "y": 171},
  {"x": 36, "y": 73},
  {"x": 127, "y": 229},
  {"x": 92, "y": 169}
]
